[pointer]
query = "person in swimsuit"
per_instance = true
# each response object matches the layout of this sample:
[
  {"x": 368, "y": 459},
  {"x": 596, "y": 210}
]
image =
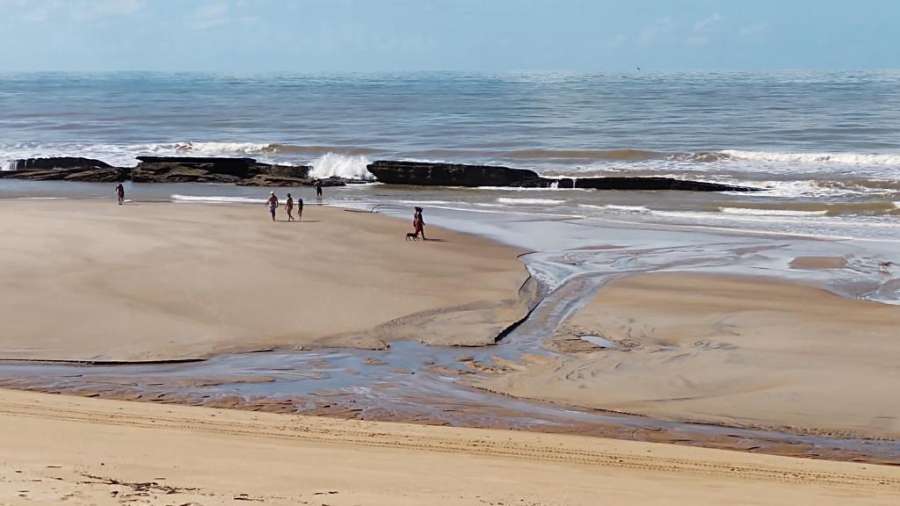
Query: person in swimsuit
[
  {"x": 289, "y": 207},
  {"x": 419, "y": 223},
  {"x": 318, "y": 188},
  {"x": 272, "y": 202},
  {"x": 120, "y": 193},
  {"x": 299, "y": 208}
]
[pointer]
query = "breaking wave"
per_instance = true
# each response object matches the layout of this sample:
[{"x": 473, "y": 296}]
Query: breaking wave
[
  {"x": 345, "y": 166},
  {"x": 216, "y": 199},
  {"x": 818, "y": 158},
  {"x": 614, "y": 207},
  {"x": 770, "y": 212}
]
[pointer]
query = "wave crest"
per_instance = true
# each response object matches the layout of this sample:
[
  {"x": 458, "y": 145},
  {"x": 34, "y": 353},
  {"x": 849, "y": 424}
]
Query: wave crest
[
  {"x": 847, "y": 158},
  {"x": 345, "y": 166}
]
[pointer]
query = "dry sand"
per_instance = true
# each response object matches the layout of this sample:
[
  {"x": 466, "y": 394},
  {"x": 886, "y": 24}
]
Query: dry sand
[
  {"x": 727, "y": 350},
  {"x": 59, "y": 449},
  {"x": 89, "y": 280}
]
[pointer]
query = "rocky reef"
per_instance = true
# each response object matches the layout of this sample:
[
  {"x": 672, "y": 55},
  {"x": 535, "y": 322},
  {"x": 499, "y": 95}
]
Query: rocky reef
[
  {"x": 179, "y": 169},
  {"x": 65, "y": 168},
  {"x": 450, "y": 174},
  {"x": 447, "y": 174},
  {"x": 249, "y": 172},
  {"x": 166, "y": 169}
]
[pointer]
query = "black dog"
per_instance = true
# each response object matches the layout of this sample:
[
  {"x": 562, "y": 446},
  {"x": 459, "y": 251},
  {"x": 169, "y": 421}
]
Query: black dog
[{"x": 412, "y": 236}]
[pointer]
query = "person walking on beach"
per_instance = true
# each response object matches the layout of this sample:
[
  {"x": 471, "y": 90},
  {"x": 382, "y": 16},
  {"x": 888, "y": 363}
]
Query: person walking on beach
[
  {"x": 289, "y": 207},
  {"x": 299, "y": 208},
  {"x": 120, "y": 193},
  {"x": 319, "y": 189},
  {"x": 419, "y": 223},
  {"x": 272, "y": 202}
]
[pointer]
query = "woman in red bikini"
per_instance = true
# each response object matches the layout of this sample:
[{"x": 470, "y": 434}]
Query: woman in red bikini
[{"x": 419, "y": 223}]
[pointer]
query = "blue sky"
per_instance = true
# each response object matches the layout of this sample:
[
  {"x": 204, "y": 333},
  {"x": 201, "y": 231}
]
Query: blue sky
[{"x": 249, "y": 36}]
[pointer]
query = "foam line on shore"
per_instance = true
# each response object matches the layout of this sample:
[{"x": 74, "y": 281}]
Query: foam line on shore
[
  {"x": 525, "y": 201},
  {"x": 750, "y": 211},
  {"x": 216, "y": 199}
]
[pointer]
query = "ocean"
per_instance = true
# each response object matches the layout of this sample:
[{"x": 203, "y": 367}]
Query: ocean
[{"x": 824, "y": 146}]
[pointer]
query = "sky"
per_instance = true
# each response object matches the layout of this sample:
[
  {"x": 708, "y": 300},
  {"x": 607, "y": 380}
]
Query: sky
[{"x": 258, "y": 36}]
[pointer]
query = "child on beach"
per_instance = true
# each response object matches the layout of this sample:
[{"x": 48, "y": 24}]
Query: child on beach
[
  {"x": 272, "y": 202},
  {"x": 289, "y": 207},
  {"x": 319, "y": 189},
  {"x": 299, "y": 208},
  {"x": 120, "y": 193}
]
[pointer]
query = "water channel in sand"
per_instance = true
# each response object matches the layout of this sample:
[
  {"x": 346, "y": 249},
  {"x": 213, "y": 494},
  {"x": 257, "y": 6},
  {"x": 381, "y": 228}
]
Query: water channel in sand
[{"x": 409, "y": 381}]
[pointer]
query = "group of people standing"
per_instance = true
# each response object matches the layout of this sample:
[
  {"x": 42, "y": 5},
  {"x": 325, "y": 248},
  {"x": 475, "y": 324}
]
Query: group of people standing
[{"x": 289, "y": 203}]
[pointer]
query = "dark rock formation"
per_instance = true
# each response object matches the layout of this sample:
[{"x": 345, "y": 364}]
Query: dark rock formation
[
  {"x": 59, "y": 162},
  {"x": 65, "y": 168},
  {"x": 447, "y": 174},
  {"x": 647, "y": 183},
  {"x": 179, "y": 169},
  {"x": 87, "y": 174},
  {"x": 272, "y": 180},
  {"x": 163, "y": 169}
]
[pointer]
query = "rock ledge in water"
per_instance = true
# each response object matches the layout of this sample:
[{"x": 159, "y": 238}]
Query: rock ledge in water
[
  {"x": 449, "y": 174},
  {"x": 65, "y": 168}
]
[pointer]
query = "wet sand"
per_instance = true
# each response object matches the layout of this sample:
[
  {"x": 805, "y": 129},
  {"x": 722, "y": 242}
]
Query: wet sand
[
  {"x": 819, "y": 262},
  {"x": 736, "y": 351},
  {"x": 87, "y": 280},
  {"x": 112, "y": 452}
]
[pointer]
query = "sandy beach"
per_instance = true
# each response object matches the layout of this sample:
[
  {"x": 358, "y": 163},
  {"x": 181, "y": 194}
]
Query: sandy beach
[
  {"x": 85, "y": 280},
  {"x": 91, "y": 451},
  {"x": 736, "y": 351}
]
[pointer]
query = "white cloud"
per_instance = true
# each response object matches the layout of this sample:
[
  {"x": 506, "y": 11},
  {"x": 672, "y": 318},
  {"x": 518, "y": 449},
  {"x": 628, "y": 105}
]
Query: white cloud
[
  {"x": 210, "y": 15},
  {"x": 39, "y": 11},
  {"x": 707, "y": 23},
  {"x": 618, "y": 41},
  {"x": 754, "y": 29},
  {"x": 702, "y": 31},
  {"x": 650, "y": 34}
]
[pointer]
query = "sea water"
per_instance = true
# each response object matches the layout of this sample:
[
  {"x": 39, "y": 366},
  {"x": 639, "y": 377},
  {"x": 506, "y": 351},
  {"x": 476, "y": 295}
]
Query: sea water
[{"x": 824, "y": 147}]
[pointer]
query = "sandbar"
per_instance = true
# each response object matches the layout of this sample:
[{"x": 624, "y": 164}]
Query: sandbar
[
  {"x": 728, "y": 350},
  {"x": 87, "y": 280}
]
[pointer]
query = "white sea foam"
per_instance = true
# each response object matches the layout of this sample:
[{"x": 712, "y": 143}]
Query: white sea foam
[
  {"x": 617, "y": 208},
  {"x": 535, "y": 189},
  {"x": 212, "y": 148},
  {"x": 123, "y": 155},
  {"x": 431, "y": 202},
  {"x": 346, "y": 166},
  {"x": 848, "y": 158},
  {"x": 514, "y": 201},
  {"x": 770, "y": 212},
  {"x": 217, "y": 199},
  {"x": 630, "y": 209},
  {"x": 793, "y": 189}
]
